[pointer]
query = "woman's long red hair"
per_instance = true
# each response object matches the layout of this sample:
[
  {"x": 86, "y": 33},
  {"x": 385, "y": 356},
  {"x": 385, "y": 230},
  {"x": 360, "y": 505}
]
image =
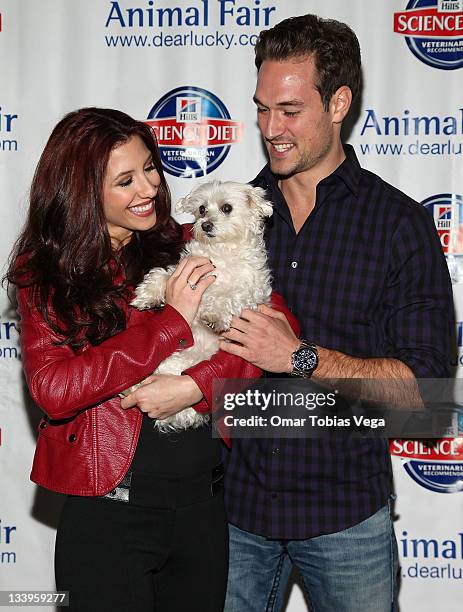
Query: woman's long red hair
[{"x": 64, "y": 251}]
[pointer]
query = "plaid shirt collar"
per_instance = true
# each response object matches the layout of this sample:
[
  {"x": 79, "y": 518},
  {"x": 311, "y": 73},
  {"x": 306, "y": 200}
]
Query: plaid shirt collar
[{"x": 349, "y": 172}]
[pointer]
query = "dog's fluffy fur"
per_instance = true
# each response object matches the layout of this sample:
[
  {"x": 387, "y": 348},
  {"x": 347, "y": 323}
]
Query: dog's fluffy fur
[{"x": 229, "y": 232}]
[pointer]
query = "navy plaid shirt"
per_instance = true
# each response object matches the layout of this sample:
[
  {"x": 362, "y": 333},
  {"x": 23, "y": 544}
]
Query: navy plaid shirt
[{"x": 366, "y": 276}]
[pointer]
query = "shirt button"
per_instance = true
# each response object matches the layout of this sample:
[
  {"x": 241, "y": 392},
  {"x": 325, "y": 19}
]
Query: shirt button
[
  {"x": 275, "y": 451},
  {"x": 294, "y": 264}
]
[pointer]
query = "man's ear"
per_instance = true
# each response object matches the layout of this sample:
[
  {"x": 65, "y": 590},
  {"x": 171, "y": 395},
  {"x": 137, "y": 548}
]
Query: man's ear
[{"x": 340, "y": 104}]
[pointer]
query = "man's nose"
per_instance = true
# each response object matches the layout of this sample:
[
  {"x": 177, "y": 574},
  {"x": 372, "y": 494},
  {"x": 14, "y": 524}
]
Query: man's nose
[{"x": 273, "y": 126}]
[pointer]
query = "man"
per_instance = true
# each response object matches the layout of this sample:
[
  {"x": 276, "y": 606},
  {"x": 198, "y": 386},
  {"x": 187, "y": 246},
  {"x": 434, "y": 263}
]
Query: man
[{"x": 361, "y": 266}]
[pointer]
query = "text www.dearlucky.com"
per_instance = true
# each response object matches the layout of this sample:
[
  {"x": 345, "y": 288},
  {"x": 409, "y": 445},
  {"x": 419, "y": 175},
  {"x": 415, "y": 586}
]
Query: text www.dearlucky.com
[
  {"x": 186, "y": 39},
  {"x": 417, "y": 147}
]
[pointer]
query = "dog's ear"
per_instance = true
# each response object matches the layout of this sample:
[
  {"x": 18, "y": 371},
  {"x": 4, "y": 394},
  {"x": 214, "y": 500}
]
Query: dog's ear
[
  {"x": 183, "y": 205},
  {"x": 257, "y": 200}
]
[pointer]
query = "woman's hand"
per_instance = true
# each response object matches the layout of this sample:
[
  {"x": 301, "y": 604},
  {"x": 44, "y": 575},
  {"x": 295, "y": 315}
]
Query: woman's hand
[
  {"x": 164, "y": 395},
  {"x": 186, "y": 286}
]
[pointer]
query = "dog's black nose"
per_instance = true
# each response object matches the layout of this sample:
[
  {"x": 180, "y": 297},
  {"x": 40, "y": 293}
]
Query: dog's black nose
[{"x": 207, "y": 226}]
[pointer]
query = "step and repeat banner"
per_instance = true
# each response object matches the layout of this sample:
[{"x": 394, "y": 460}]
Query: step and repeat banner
[{"x": 186, "y": 68}]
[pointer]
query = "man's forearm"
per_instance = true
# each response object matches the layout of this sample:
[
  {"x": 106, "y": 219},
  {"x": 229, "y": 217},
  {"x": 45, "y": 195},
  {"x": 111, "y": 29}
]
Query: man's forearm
[
  {"x": 334, "y": 364},
  {"x": 381, "y": 380},
  {"x": 267, "y": 341}
]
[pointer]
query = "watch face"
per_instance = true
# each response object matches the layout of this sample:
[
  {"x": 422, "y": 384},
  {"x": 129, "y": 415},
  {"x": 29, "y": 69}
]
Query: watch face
[{"x": 305, "y": 359}]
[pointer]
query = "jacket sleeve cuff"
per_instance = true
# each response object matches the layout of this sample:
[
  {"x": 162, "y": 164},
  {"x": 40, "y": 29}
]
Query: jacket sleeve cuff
[
  {"x": 221, "y": 365},
  {"x": 278, "y": 303},
  {"x": 175, "y": 327}
]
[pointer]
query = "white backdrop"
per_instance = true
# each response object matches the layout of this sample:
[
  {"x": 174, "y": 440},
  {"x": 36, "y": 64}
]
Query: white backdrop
[{"x": 59, "y": 55}]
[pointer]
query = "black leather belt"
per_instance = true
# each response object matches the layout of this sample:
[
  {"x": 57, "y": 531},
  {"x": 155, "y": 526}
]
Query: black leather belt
[{"x": 154, "y": 491}]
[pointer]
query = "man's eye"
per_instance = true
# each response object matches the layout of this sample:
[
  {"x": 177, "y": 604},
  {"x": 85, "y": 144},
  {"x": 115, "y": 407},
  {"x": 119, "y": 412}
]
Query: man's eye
[
  {"x": 226, "y": 208},
  {"x": 260, "y": 109},
  {"x": 291, "y": 113},
  {"x": 202, "y": 209}
]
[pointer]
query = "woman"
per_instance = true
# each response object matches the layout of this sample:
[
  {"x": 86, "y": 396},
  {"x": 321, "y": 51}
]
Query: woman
[{"x": 143, "y": 526}]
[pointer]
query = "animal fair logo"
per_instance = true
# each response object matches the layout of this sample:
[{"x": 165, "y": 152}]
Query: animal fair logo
[
  {"x": 433, "y": 31},
  {"x": 438, "y": 467},
  {"x": 194, "y": 131},
  {"x": 422, "y": 556},
  {"x": 7, "y": 537},
  {"x": 9, "y": 348},
  {"x": 223, "y": 24}
]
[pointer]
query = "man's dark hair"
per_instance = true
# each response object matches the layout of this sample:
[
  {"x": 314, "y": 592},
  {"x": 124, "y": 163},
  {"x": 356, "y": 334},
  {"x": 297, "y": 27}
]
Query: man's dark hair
[{"x": 332, "y": 44}]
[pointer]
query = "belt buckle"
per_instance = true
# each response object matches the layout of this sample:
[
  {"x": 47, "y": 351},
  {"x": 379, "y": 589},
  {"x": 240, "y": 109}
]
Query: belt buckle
[{"x": 122, "y": 491}]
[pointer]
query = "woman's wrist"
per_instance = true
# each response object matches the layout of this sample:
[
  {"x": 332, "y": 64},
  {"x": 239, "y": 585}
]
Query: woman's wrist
[{"x": 192, "y": 389}]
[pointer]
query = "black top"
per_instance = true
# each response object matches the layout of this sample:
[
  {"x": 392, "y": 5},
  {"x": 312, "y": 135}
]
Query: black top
[{"x": 175, "y": 454}]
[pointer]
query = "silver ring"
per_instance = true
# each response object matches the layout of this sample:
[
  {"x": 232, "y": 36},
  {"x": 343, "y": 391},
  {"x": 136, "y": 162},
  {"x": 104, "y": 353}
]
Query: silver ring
[{"x": 192, "y": 286}]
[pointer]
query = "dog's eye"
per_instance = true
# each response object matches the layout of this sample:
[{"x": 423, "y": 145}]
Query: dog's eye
[
  {"x": 227, "y": 208},
  {"x": 202, "y": 209}
]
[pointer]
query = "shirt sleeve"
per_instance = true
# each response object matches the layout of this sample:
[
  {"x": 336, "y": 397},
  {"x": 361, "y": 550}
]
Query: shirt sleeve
[
  {"x": 63, "y": 382},
  {"x": 418, "y": 298}
]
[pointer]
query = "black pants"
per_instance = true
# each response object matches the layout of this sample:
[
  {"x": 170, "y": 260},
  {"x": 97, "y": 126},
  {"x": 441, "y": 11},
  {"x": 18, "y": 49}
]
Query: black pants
[{"x": 120, "y": 557}]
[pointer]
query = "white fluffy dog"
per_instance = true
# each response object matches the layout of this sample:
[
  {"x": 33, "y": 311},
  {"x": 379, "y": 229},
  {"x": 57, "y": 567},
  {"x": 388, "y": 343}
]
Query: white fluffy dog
[{"x": 228, "y": 230}]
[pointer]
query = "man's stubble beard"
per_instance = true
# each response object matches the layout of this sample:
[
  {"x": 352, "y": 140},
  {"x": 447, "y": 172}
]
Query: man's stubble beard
[{"x": 307, "y": 160}]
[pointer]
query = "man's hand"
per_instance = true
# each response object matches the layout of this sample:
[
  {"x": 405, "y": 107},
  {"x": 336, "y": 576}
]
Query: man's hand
[
  {"x": 262, "y": 337},
  {"x": 164, "y": 395}
]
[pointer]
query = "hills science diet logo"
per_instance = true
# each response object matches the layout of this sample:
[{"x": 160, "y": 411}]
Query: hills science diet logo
[
  {"x": 194, "y": 131},
  {"x": 438, "y": 468},
  {"x": 433, "y": 31},
  {"x": 447, "y": 211}
]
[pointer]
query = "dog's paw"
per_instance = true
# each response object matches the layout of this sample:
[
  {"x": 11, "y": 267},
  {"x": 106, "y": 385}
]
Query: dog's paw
[
  {"x": 151, "y": 292},
  {"x": 143, "y": 303},
  {"x": 215, "y": 316},
  {"x": 218, "y": 325},
  {"x": 181, "y": 420},
  {"x": 130, "y": 390}
]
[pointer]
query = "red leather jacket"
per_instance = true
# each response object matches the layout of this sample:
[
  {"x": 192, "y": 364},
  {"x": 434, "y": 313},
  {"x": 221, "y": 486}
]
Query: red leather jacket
[{"x": 87, "y": 441}]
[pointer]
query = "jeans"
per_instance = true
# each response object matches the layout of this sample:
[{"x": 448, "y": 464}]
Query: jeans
[{"x": 353, "y": 570}]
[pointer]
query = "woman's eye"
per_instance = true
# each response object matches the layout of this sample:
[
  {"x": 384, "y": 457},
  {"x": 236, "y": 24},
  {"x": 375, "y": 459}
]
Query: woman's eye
[
  {"x": 150, "y": 168},
  {"x": 126, "y": 183},
  {"x": 202, "y": 210},
  {"x": 227, "y": 208}
]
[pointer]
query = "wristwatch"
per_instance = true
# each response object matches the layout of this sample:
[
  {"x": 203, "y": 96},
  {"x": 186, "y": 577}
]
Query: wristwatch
[{"x": 304, "y": 360}]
